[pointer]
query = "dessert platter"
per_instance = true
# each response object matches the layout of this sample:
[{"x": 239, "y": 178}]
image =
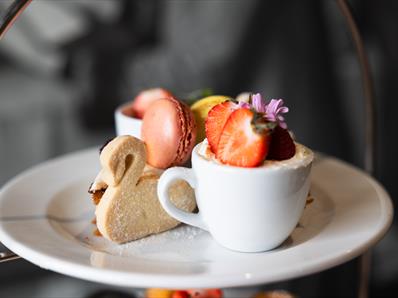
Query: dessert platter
[{"x": 216, "y": 194}]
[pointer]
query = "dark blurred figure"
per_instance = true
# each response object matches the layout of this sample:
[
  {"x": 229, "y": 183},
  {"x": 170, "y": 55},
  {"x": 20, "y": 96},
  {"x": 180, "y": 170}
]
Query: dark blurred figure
[{"x": 300, "y": 51}]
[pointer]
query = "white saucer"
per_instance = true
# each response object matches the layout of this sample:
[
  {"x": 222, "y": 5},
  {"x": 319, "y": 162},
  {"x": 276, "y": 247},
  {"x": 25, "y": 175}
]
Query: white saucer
[{"x": 46, "y": 213}]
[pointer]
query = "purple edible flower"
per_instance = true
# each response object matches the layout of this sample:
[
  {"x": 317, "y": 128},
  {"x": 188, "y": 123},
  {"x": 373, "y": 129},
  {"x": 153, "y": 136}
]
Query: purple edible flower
[
  {"x": 274, "y": 110},
  {"x": 256, "y": 102}
]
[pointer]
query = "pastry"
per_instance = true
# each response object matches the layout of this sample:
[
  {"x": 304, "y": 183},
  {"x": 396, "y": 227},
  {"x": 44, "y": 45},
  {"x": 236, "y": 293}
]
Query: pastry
[
  {"x": 249, "y": 170},
  {"x": 169, "y": 132},
  {"x": 127, "y": 205}
]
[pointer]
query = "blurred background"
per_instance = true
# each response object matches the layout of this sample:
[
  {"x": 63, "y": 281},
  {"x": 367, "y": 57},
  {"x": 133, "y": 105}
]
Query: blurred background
[{"x": 66, "y": 65}]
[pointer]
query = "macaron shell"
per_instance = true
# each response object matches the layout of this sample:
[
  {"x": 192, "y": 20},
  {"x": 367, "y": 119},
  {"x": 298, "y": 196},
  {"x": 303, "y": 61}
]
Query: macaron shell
[
  {"x": 168, "y": 130},
  {"x": 188, "y": 140},
  {"x": 145, "y": 98}
]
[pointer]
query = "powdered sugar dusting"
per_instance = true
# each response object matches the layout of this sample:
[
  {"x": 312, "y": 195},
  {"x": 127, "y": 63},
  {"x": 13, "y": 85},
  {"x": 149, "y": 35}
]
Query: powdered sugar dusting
[{"x": 183, "y": 236}]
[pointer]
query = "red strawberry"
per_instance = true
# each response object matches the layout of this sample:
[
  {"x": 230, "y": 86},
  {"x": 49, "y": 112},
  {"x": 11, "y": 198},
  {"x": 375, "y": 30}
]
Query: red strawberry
[
  {"x": 215, "y": 122},
  {"x": 144, "y": 99},
  {"x": 240, "y": 145},
  {"x": 282, "y": 146},
  {"x": 180, "y": 294},
  {"x": 205, "y": 293}
]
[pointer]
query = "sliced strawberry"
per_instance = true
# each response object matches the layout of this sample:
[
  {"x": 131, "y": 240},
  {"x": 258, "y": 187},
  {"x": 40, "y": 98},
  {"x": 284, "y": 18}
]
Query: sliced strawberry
[
  {"x": 282, "y": 146},
  {"x": 240, "y": 145},
  {"x": 215, "y": 122},
  {"x": 144, "y": 99}
]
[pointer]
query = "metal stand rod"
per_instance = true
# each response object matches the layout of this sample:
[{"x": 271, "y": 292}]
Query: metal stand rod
[
  {"x": 368, "y": 89},
  {"x": 8, "y": 256},
  {"x": 12, "y": 13},
  {"x": 370, "y": 126},
  {"x": 7, "y": 20}
]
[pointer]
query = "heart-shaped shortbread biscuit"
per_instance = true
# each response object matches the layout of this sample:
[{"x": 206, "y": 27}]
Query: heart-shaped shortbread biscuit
[{"x": 129, "y": 208}]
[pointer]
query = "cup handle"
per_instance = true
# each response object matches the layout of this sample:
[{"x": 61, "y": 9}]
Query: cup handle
[{"x": 165, "y": 181}]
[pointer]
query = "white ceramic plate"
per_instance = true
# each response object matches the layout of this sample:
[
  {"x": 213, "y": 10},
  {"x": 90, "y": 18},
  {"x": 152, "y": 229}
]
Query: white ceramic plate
[{"x": 46, "y": 213}]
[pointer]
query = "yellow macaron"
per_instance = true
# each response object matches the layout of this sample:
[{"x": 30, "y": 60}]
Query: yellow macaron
[{"x": 201, "y": 108}]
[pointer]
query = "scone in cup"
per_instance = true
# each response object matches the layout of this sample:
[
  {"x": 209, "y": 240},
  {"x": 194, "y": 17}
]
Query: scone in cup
[
  {"x": 127, "y": 124},
  {"x": 244, "y": 209}
]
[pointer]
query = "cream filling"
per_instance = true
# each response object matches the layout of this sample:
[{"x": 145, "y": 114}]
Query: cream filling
[{"x": 302, "y": 157}]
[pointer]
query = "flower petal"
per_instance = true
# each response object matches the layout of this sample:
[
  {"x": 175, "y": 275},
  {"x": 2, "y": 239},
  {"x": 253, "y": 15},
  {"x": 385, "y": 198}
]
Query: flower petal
[
  {"x": 283, "y": 125},
  {"x": 258, "y": 103},
  {"x": 244, "y": 105}
]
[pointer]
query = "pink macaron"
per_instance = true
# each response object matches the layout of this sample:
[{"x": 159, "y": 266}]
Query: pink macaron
[
  {"x": 169, "y": 132},
  {"x": 145, "y": 98}
]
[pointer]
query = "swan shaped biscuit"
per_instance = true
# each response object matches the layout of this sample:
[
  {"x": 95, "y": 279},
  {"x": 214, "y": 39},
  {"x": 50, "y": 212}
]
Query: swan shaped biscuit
[{"x": 129, "y": 208}]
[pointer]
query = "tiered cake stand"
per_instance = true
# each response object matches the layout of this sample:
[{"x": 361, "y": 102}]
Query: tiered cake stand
[{"x": 45, "y": 218}]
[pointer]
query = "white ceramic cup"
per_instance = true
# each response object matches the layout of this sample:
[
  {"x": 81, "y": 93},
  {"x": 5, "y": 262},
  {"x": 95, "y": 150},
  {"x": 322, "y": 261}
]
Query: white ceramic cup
[
  {"x": 244, "y": 209},
  {"x": 127, "y": 125}
]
